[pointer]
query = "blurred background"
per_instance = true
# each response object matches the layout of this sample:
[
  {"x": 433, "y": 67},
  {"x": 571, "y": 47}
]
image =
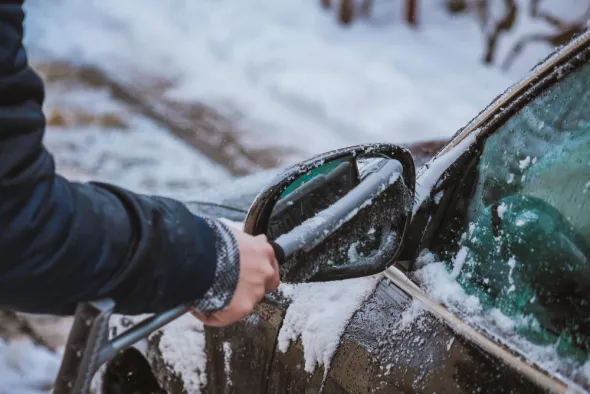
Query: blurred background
[
  {"x": 178, "y": 97},
  {"x": 174, "y": 96}
]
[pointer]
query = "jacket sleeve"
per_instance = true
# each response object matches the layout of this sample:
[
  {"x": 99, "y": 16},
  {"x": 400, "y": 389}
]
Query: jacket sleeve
[{"x": 63, "y": 242}]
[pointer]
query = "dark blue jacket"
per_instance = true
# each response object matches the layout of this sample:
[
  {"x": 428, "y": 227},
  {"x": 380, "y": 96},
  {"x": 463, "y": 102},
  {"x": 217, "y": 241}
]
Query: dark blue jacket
[{"x": 63, "y": 242}]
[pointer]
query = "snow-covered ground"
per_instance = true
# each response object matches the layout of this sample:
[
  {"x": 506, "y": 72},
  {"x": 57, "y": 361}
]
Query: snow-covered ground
[
  {"x": 283, "y": 70},
  {"x": 26, "y": 368},
  {"x": 138, "y": 155}
]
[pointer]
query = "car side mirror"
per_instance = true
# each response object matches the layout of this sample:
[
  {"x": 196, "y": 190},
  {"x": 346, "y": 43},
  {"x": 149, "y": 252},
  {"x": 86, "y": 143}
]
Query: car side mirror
[{"x": 339, "y": 215}]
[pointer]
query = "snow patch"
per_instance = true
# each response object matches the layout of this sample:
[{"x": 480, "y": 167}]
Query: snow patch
[
  {"x": 182, "y": 344},
  {"x": 319, "y": 313},
  {"x": 586, "y": 370},
  {"x": 288, "y": 290},
  {"x": 500, "y": 320},
  {"x": 431, "y": 172},
  {"x": 524, "y": 163},
  {"x": 183, "y": 348},
  {"x": 502, "y": 210},
  {"x": 352, "y": 252},
  {"x": 410, "y": 315},
  {"x": 442, "y": 287},
  {"x": 437, "y": 197},
  {"x": 143, "y": 158},
  {"x": 459, "y": 261},
  {"x": 227, "y": 352},
  {"x": 450, "y": 344},
  {"x": 511, "y": 263},
  {"x": 26, "y": 368}
]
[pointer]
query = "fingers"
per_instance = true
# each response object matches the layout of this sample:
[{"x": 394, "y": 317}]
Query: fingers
[
  {"x": 259, "y": 275},
  {"x": 272, "y": 280},
  {"x": 207, "y": 320},
  {"x": 275, "y": 281},
  {"x": 211, "y": 320},
  {"x": 270, "y": 270},
  {"x": 237, "y": 310}
]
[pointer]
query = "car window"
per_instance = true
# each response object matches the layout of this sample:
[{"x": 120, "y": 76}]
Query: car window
[{"x": 524, "y": 247}]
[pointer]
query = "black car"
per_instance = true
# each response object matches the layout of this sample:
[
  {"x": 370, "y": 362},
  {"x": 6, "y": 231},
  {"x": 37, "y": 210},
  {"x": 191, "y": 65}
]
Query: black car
[{"x": 500, "y": 216}]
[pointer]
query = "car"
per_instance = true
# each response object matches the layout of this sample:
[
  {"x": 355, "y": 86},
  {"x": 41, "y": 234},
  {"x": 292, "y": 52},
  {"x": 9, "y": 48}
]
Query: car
[{"x": 490, "y": 292}]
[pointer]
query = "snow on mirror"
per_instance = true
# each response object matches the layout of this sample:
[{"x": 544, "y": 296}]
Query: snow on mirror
[{"x": 340, "y": 217}]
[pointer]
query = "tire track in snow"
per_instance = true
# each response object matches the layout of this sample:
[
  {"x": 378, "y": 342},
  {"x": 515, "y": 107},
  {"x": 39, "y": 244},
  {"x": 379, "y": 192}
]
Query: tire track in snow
[{"x": 198, "y": 125}]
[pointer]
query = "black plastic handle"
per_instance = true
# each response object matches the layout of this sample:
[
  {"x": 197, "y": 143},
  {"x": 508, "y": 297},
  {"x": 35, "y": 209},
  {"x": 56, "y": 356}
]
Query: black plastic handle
[{"x": 279, "y": 252}]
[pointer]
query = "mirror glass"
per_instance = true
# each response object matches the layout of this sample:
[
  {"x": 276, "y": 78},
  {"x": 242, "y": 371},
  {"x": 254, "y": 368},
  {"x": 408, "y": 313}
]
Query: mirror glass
[
  {"x": 311, "y": 193},
  {"x": 343, "y": 218}
]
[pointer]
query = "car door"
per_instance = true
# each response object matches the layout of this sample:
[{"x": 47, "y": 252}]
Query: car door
[{"x": 391, "y": 344}]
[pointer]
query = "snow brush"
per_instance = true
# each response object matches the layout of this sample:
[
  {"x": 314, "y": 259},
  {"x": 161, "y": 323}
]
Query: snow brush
[{"x": 339, "y": 215}]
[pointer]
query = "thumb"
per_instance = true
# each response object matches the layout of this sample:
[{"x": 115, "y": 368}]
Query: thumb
[{"x": 207, "y": 320}]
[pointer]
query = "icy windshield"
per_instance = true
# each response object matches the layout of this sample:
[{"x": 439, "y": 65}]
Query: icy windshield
[{"x": 524, "y": 248}]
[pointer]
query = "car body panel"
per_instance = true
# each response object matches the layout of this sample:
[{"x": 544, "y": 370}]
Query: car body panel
[
  {"x": 240, "y": 355},
  {"x": 377, "y": 356}
]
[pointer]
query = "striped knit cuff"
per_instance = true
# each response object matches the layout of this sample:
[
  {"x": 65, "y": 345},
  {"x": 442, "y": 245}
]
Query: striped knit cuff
[{"x": 227, "y": 271}]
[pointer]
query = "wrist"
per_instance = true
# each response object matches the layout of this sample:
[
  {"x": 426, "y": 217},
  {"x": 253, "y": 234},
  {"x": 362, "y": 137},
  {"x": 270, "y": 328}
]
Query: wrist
[{"x": 227, "y": 270}]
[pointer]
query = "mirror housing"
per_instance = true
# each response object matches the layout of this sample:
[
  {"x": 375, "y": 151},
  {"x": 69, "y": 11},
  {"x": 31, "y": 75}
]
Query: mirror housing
[{"x": 337, "y": 213}]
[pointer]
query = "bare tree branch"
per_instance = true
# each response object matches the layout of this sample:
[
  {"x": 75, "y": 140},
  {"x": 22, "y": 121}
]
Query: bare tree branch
[
  {"x": 565, "y": 32},
  {"x": 503, "y": 25},
  {"x": 366, "y": 7},
  {"x": 346, "y": 11},
  {"x": 412, "y": 12}
]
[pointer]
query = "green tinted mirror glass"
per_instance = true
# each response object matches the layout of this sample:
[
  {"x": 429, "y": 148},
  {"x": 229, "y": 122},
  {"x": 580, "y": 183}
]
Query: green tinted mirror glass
[
  {"x": 324, "y": 169},
  {"x": 311, "y": 193}
]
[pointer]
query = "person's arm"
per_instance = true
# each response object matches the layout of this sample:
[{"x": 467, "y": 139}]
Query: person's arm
[{"x": 63, "y": 242}]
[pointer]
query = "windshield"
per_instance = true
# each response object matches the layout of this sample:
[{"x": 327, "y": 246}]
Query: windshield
[{"x": 522, "y": 245}]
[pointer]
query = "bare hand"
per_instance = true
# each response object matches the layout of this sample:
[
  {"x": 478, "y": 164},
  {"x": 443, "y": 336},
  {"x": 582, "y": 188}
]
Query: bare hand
[{"x": 259, "y": 274}]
